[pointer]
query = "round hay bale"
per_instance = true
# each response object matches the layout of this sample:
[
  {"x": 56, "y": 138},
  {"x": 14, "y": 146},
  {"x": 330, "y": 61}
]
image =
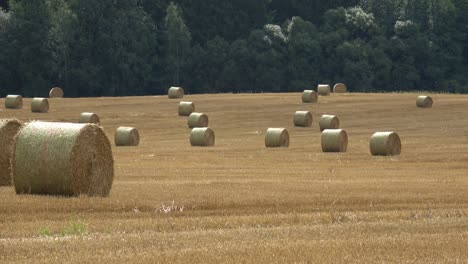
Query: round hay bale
[
  {"x": 309, "y": 96},
  {"x": 62, "y": 159},
  {"x": 175, "y": 92},
  {"x": 127, "y": 136},
  {"x": 329, "y": 122},
  {"x": 202, "y": 137},
  {"x": 276, "y": 137},
  {"x": 303, "y": 119},
  {"x": 91, "y": 118},
  {"x": 40, "y": 105},
  {"x": 14, "y": 102},
  {"x": 339, "y": 88},
  {"x": 8, "y": 130},
  {"x": 334, "y": 140},
  {"x": 197, "y": 120},
  {"x": 385, "y": 144},
  {"x": 186, "y": 108},
  {"x": 56, "y": 92},
  {"x": 424, "y": 101},
  {"x": 323, "y": 89}
]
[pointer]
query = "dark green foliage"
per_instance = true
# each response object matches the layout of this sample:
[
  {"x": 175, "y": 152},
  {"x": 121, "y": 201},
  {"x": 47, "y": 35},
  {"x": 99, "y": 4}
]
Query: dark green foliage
[{"x": 137, "y": 47}]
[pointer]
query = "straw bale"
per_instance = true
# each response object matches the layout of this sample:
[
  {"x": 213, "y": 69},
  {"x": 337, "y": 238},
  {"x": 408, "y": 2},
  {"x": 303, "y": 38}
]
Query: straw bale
[
  {"x": 62, "y": 159},
  {"x": 276, "y": 137},
  {"x": 127, "y": 136},
  {"x": 323, "y": 89},
  {"x": 309, "y": 96},
  {"x": 424, "y": 101},
  {"x": 197, "y": 120},
  {"x": 202, "y": 137},
  {"x": 56, "y": 92},
  {"x": 89, "y": 118},
  {"x": 385, "y": 144},
  {"x": 303, "y": 119},
  {"x": 14, "y": 102},
  {"x": 334, "y": 140},
  {"x": 175, "y": 92},
  {"x": 39, "y": 105},
  {"x": 8, "y": 130},
  {"x": 186, "y": 108},
  {"x": 329, "y": 122},
  {"x": 339, "y": 88}
]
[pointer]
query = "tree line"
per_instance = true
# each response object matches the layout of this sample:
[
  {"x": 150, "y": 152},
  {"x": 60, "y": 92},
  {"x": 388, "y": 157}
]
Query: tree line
[{"x": 138, "y": 47}]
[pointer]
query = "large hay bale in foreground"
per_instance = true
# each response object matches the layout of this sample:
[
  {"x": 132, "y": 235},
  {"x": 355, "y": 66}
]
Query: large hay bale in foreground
[
  {"x": 40, "y": 105},
  {"x": 197, "y": 120},
  {"x": 309, "y": 96},
  {"x": 62, "y": 159},
  {"x": 334, "y": 140},
  {"x": 14, "y": 102},
  {"x": 56, "y": 92},
  {"x": 323, "y": 89},
  {"x": 91, "y": 118},
  {"x": 127, "y": 136},
  {"x": 186, "y": 108},
  {"x": 385, "y": 144},
  {"x": 276, "y": 138},
  {"x": 303, "y": 119},
  {"x": 329, "y": 122},
  {"x": 339, "y": 88},
  {"x": 202, "y": 137},
  {"x": 175, "y": 92},
  {"x": 424, "y": 101},
  {"x": 8, "y": 130}
]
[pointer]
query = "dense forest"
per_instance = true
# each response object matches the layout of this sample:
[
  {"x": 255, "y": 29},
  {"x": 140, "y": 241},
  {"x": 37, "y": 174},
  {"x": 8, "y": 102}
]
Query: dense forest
[{"x": 138, "y": 47}]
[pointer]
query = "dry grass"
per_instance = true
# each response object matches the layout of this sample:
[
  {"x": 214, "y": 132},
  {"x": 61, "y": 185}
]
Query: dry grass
[{"x": 241, "y": 202}]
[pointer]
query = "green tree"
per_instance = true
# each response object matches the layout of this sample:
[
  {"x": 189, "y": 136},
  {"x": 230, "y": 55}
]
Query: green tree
[{"x": 178, "y": 42}]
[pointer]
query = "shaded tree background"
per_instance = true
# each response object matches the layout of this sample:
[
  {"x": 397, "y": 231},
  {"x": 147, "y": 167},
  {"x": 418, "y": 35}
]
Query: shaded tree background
[{"x": 138, "y": 47}]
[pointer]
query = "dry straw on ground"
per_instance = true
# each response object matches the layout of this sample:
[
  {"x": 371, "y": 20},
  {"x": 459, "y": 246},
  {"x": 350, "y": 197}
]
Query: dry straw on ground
[
  {"x": 197, "y": 120},
  {"x": 424, "y": 101},
  {"x": 339, "y": 88},
  {"x": 186, "y": 108},
  {"x": 309, "y": 96},
  {"x": 329, "y": 122},
  {"x": 202, "y": 137},
  {"x": 62, "y": 159},
  {"x": 8, "y": 130},
  {"x": 385, "y": 144},
  {"x": 89, "y": 118},
  {"x": 14, "y": 102},
  {"x": 56, "y": 92},
  {"x": 175, "y": 92},
  {"x": 303, "y": 119},
  {"x": 127, "y": 136},
  {"x": 276, "y": 137},
  {"x": 334, "y": 140},
  {"x": 323, "y": 89},
  {"x": 39, "y": 105}
]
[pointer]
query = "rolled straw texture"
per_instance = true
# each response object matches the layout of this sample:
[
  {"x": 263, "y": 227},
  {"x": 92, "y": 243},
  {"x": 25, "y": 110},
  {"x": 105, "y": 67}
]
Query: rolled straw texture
[
  {"x": 309, "y": 96},
  {"x": 56, "y": 92},
  {"x": 339, "y": 88},
  {"x": 323, "y": 89},
  {"x": 197, "y": 120},
  {"x": 329, "y": 122},
  {"x": 303, "y": 119},
  {"x": 202, "y": 137},
  {"x": 91, "y": 118},
  {"x": 40, "y": 105},
  {"x": 127, "y": 136},
  {"x": 14, "y": 102},
  {"x": 276, "y": 137},
  {"x": 186, "y": 108},
  {"x": 334, "y": 140},
  {"x": 8, "y": 130},
  {"x": 175, "y": 92},
  {"x": 385, "y": 144},
  {"x": 62, "y": 159},
  {"x": 424, "y": 101}
]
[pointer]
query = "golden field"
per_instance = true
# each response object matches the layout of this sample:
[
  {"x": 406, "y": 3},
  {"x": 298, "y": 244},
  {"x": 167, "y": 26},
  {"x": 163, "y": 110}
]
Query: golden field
[{"x": 239, "y": 202}]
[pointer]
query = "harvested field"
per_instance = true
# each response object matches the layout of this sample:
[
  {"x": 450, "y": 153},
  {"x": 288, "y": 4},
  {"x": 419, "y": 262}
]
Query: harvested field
[{"x": 240, "y": 202}]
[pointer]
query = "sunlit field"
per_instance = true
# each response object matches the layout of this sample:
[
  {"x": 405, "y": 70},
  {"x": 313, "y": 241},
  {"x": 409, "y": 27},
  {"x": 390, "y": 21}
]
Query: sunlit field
[{"x": 239, "y": 202}]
